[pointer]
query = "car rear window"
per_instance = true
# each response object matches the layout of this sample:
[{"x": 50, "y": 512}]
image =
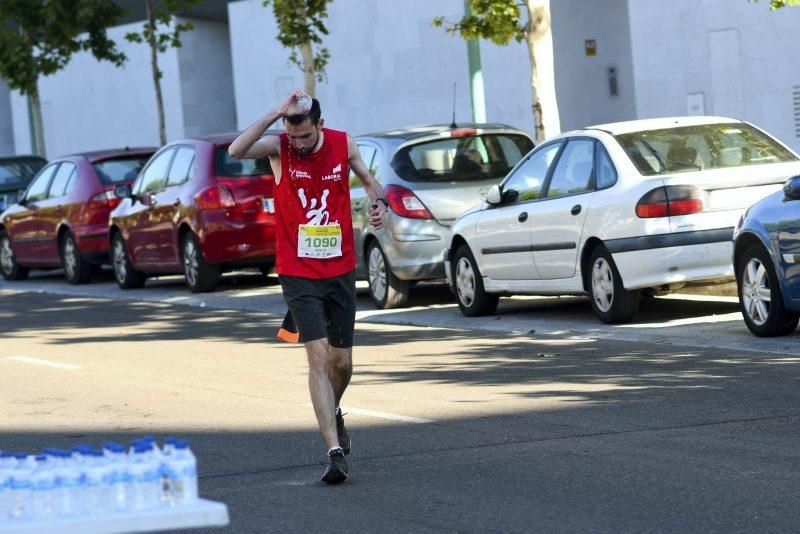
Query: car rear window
[
  {"x": 118, "y": 170},
  {"x": 461, "y": 158},
  {"x": 24, "y": 168},
  {"x": 9, "y": 179},
  {"x": 707, "y": 146},
  {"x": 226, "y": 165}
]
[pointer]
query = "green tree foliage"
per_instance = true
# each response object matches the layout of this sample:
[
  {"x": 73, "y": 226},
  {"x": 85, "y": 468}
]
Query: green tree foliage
[
  {"x": 161, "y": 32},
  {"x": 501, "y": 21},
  {"x": 301, "y": 25},
  {"x": 777, "y": 4},
  {"x": 39, "y": 37}
]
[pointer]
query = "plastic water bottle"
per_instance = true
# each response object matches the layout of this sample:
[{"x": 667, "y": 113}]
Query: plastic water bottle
[
  {"x": 7, "y": 464},
  {"x": 185, "y": 487},
  {"x": 97, "y": 483},
  {"x": 70, "y": 482},
  {"x": 119, "y": 476},
  {"x": 146, "y": 483},
  {"x": 21, "y": 485},
  {"x": 43, "y": 488}
]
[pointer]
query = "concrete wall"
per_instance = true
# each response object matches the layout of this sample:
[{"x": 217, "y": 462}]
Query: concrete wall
[
  {"x": 6, "y": 125},
  {"x": 718, "y": 57},
  {"x": 389, "y": 67},
  {"x": 206, "y": 79},
  {"x": 582, "y": 81}
]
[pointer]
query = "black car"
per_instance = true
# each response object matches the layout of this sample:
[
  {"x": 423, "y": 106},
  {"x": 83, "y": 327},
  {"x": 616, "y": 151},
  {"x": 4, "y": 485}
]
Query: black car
[{"x": 16, "y": 173}]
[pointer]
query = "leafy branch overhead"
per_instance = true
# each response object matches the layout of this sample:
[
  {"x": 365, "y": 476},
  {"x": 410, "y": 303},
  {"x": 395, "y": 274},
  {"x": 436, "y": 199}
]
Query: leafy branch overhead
[
  {"x": 301, "y": 25},
  {"x": 495, "y": 20}
]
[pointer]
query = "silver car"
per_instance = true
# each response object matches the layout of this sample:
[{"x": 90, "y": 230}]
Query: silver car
[{"x": 431, "y": 174}]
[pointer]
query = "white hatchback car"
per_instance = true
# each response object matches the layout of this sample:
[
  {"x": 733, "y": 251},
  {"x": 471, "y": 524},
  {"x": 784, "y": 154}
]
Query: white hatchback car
[{"x": 616, "y": 211}]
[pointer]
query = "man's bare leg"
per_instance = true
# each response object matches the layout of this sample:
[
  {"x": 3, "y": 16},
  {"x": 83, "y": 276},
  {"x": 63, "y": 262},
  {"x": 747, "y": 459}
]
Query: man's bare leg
[
  {"x": 341, "y": 371},
  {"x": 322, "y": 392}
]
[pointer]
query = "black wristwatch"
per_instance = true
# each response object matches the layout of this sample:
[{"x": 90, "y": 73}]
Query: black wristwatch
[{"x": 385, "y": 202}]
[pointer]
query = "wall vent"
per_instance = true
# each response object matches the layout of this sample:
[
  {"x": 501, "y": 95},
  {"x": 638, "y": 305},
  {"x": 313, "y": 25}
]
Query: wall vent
[{"x": 796, "y": 100}]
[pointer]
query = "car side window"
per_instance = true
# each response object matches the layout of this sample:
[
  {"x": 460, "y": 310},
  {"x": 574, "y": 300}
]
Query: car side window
[
  {"x": 155, "y": 176},
  {"x": 573, "y": 172},
  {"x": 38, "y": 188},
  {"x": 527, "y": 181},
  {"x": 606, "y": 175},
  {"x": 367, "y": 155},
  {"x": 181, "y": 169},
  {"x": 63, "y": 180}
]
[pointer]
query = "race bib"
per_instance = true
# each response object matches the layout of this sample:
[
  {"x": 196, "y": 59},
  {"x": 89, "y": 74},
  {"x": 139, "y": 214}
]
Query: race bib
[{"x": 319, "y": 241}]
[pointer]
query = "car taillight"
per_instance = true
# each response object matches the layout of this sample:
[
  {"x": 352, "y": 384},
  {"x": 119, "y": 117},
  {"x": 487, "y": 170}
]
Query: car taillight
[
  {"x": 405, "y": 203},
  {"x": 215, "y": 197},
  {"x": 104, "y": 200},
  {"x": 669, "y": 201}
]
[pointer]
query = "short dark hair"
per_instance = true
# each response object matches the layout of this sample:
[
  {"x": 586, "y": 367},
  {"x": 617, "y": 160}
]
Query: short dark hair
[{"x": 313, "y": 115}]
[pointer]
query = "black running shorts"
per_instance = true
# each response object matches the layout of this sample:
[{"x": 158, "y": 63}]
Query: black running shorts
[{"x": 322, "y": 308}]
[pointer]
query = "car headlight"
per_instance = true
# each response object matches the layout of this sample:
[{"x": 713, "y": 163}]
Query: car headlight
[{"x": 738, "y": 227}]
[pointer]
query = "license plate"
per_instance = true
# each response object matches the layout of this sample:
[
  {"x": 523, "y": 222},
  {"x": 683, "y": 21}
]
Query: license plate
[{"x": 269, "y": 205}]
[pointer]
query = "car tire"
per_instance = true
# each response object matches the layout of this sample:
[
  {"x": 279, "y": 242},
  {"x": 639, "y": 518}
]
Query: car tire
[
  {"x": 611, "y": 302},
  {"x": 473, "y": 300},
  {"x": 386, "y": 290},
  {"x": 125, "y": 274},
  {"x": 201, "y": 276},
  {"x": 760, "y": 296},
  {"x": 9, "y": 268},
  {"x": 76, "y": 269}
]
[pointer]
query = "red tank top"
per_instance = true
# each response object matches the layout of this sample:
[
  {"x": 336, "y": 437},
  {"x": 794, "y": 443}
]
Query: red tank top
[{"x": 314, "y": 190}]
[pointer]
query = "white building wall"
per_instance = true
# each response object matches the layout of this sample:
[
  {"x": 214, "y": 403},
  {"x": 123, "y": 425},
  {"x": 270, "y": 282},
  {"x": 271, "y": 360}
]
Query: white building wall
[
  {"x": 6, "y": 125},
  {"x": 206, "y": 79},
  {"x": 93, "y": 105},
  {"x": 718, "y": 57},
  {"x": 388, "y": 68},
  {"x": 583, "y": 81}
]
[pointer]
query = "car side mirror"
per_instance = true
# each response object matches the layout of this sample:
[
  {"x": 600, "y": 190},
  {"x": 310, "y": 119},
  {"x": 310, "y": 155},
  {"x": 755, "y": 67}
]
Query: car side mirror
[
  {"x": 123, "y": 191},
  {"x": 791, "y": 189},
  {"x": 493, "y": 196}
]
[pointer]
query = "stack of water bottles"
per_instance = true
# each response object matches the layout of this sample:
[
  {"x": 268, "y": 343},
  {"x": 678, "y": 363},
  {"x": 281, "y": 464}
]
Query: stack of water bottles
[{"x": 87, "y": 481}]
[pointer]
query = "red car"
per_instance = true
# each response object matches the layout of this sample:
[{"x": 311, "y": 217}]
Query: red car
[
  {"x": 62, "y": 218},
  {"x": 194, "y": 210}
]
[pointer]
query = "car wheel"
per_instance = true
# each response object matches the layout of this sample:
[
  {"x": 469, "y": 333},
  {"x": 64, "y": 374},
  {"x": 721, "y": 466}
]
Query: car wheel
[
  {"x": 201, "y": 276},
  {"x": 76, "y": 269},
  {"x": 760, "y": 296},
  {"x": 473, "y": 300},
  {"x": 611, "y": 302},
  {"x": 127, "y": 277},
  {"x": 385, "y": 289},
  {"x": 10, "y": 269}
]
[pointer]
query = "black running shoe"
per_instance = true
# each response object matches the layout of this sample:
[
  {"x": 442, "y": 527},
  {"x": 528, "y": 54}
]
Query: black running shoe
[
  {"x": 337, "y": 467},
  {"x": 344, "y": 435}
]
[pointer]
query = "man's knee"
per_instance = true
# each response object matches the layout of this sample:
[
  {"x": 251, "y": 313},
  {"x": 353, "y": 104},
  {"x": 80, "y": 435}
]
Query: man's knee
[
  {"x": 341, "y": 359},
  {"x": 318, "y": 359}
]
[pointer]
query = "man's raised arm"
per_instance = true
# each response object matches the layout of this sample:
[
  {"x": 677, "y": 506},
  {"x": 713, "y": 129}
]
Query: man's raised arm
[{"x": 250, "y": 144}]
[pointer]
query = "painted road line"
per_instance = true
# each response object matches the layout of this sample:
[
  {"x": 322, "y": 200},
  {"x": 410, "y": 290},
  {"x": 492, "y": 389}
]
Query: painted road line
[{"x": 46, "y": 363}]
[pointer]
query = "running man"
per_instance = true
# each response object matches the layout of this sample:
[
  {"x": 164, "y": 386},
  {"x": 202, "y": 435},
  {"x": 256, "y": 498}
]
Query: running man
[{"x": 315, "y": 251}]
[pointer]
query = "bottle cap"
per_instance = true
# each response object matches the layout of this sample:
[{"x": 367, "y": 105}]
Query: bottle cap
[{"x": 303, "y": 103}]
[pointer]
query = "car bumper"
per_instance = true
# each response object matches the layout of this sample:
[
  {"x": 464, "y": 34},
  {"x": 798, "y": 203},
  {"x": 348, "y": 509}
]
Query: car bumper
[
  {"x": 416, "y": 256},
  {"x": 706, "y": 262},
  {"x": 92, "y": 240},
  {"x": 224, "y": 241}
]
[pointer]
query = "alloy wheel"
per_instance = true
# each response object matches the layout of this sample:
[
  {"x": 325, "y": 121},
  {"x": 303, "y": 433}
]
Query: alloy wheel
[
  {"x": 602, "y": 284},
  {"x": 191, "y": 266},
  {"x": 756, "y": 292},
  {"x": 377, "y": 274},
  {"x": 6, "y": 255},
  {"x": 120, "y": 261},
  {"x": 465, "y": 282}
]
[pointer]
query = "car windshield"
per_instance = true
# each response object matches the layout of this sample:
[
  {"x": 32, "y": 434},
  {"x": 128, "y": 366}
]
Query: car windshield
[
  {"x": 119, "y": 170},
  {"x": 702, "y": 147},
  {"x": 8, "y": 179},
  {"x": 226, "y": 165},
  {"x": 21, "y": 167},
  {"x": 461, "y": 158}
]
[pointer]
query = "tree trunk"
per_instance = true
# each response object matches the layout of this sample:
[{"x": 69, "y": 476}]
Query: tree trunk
[
  {"x": 162, "y": 133},
  {"x": 309, "y": 75},
  {"x": 539, "y": 39},
  {"x": 38, "y": 124}
]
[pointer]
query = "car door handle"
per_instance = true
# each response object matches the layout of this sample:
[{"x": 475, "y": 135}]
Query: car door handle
[
  {"x": 576, "y": 209},
  {"x": 523, "y": 216}
]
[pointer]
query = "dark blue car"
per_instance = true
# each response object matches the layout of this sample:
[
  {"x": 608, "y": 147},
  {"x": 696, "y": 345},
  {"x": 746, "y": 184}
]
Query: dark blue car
[{"x": 766, "y": 256}]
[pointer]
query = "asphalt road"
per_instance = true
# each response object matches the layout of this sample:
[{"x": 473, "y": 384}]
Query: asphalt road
[{"x": 537, "y": 419}]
